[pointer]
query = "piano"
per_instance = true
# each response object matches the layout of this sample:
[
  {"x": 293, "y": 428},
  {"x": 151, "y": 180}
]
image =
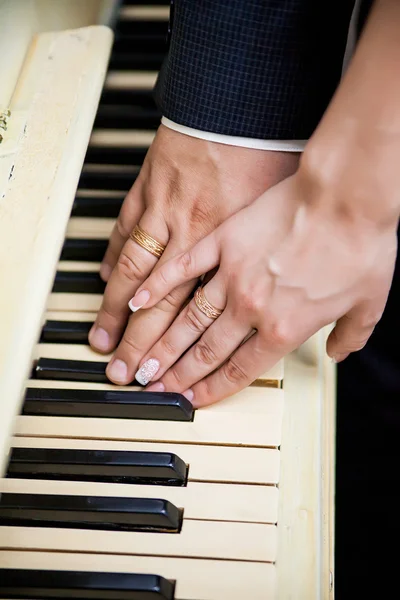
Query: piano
[{"x": 110, "y": 492}]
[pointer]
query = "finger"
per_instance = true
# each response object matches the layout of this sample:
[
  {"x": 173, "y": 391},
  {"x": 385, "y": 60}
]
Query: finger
[
  {"x": 189, "y": 265},
  {"x": 353, "y": 330},
  {"x": 131, "y": 211},
  {"x": 212, "y": 350},
  {"x": 187, "y": 328},
  {"x": 246, "y": 364},
  {"x": 144, "y": 329},
  {"x": 134, "y": 265}
]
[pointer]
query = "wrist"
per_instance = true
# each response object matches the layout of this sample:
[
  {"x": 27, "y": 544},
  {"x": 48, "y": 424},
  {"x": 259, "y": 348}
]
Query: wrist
[{"x": 352, "y": 175}]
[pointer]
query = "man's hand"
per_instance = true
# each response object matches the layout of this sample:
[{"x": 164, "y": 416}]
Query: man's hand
[{"x": 186, "y": 188}]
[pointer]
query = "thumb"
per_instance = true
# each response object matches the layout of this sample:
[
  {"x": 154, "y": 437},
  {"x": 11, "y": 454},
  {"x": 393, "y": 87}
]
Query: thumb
[{"x": 353, "y": 330}]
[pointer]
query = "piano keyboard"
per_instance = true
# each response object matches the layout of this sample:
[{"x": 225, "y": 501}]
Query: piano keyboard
[{"x": 116, "y": 493}]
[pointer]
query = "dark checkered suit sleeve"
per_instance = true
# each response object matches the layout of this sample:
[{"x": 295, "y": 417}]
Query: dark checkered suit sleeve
[{"x": 264, "y": 69}]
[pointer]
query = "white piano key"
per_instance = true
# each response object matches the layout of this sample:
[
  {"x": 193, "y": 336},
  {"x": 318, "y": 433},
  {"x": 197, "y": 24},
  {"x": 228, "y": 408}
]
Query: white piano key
[
  {"x": 204, "y": 501},
  {"x": 131, "y": 80},
  {"x": 146, "y": 13},
  {"x": 253, "y": 417},
  {"x": 66, "y": 315},
  {"x": 78, "y": 265},
  {"x": 62, "y": 302},
  {"x": 197, "y": 539},
  {"x": 215, "y": 464},
  {"x": 205, "y": 579},
  {"x": 90, "y": 228},
  {"x": 127, "y": 138},
  {"x": 87, "y": 193}
]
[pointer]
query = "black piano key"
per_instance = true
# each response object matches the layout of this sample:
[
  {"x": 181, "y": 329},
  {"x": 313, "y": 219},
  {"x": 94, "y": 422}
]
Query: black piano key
[
  {"x": 137, "y": 61},
  {"x": 130, "y": 37},
  {"x": 87, "y": 250},
  {"x": 115, "y": 116},
  {"x": 83, "y": 585},
  {"x": 111, "y": 466},
  {"x": 66, "y": 332},
  {"x": 153, "y": 2},
  {"x": 142, "y": 98},
  {"x": 78, "y": 282},
  {"x": 71, "y": 370},
  {"x": 96, "y": 206},
  {"x": 152, "y": 34},
  {"x": 89, "y": 512},
  {"x": 119, "y": 181},
  {"x": 116, "y": 155},
  {"x": 110, "y": 404}
]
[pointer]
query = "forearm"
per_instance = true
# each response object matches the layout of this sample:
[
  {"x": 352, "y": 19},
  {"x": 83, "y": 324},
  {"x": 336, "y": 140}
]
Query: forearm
[{"x": 355, "y": 149}]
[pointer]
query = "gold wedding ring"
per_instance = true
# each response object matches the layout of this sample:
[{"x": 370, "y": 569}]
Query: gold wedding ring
[
  {"x": 147, "y": 242},
  {"x": 204, "y": 305}
]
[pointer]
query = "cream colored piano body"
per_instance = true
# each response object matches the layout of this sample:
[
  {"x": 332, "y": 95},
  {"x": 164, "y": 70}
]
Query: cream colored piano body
[{"x": 51, "y": 82}]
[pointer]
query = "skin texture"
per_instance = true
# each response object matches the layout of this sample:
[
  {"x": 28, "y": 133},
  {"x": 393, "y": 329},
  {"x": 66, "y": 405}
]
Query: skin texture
[
  {"x": 186, "y": 188},
  {"x": 317, "y": 248}
]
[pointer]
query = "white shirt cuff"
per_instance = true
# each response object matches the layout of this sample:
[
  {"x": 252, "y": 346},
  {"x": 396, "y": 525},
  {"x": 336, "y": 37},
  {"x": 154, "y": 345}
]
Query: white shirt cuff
[{"x": 233, "y": 140}]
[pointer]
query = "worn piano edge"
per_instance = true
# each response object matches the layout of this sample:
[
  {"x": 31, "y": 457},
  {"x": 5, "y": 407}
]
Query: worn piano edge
[
  {"x": 306, "y": 511},
  {"x": 54, "y": 103}
]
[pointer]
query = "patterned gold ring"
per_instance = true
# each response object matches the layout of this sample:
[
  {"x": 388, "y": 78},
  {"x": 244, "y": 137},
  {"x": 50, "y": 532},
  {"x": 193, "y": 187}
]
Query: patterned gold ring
[
  {"x": 204, "y": 305},
  {"x": 147, "y": 242}
]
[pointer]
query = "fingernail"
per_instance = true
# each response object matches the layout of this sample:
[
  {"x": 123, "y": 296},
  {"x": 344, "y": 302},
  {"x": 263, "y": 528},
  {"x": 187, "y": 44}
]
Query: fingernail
[
  {"x": 105, "y": 271},
  {"x": 189, "y": 394},
  {"x": 147, "y": 371},
  {"x": 117, "y": 371},
  {"x": 158, "y": 386},
  {"x": 99, "y": 338},
  {"x": 333, "y": 359},
  {"x": 139, "y": 300}
]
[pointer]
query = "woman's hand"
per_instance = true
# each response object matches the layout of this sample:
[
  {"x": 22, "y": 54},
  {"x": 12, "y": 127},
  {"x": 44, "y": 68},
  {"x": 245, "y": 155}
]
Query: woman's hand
[
  {"x": 289, "y": 264},
  {"x": 186, "y": 188}
]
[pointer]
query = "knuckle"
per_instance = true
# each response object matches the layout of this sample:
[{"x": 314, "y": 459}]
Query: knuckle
[
  {"x": 234, "y": 373},
  {"x": 174, "y": 374},
  {"x": 280, "y": 334},
  {"x": 205, "y": 393},
  {"x": 121, "y": 228},
  {"x": 193, "y": 322},
  {"x": 108, "y": 315},
  {"x": 203, "y": 215},
  {"x": 162, "y": 277},
  {"x": 251, "y": 302},
  {"x": 356, "y": 344},
  {"x": 129, "y": 344},
  {"x": 130, "y": 267},
  {"x": 204, "y": 353},
  {"x": 170, "y": 303},
  {"x": 168, "y": 347},
  {"x": 185, "y": 263},
  {"x": 371, "y": 319}
]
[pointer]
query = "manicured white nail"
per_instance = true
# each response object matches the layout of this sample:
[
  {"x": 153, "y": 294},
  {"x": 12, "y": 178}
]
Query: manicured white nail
[
  {"x": 147, "y": 371},
  {"x": 139, "y": 300}
]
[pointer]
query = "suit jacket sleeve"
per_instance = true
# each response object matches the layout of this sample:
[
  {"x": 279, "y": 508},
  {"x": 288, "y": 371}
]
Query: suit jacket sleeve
[{"x": 255, "y": 68}]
